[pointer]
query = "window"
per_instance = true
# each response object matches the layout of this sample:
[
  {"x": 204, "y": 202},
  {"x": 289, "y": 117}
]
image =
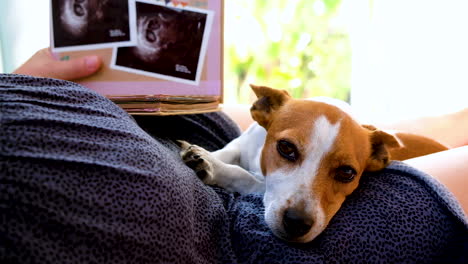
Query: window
[
  {"x": 24, "y": 29},
  {"x": 410, "y": 58}
]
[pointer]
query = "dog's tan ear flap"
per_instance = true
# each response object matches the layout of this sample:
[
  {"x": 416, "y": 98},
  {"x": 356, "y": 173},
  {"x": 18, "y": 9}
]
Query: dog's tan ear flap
[
  {"x": 268, "y": 101},
  {"x": 369, "y": 127},
  {"x": 381, "y": 142}
]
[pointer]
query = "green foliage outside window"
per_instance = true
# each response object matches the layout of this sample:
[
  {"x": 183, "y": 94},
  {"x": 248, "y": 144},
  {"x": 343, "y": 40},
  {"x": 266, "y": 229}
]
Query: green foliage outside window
[{"x": 297, "y": 45}]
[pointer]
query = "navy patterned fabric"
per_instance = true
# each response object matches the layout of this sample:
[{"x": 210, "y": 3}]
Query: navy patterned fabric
[{"x": 83, "y": 182}]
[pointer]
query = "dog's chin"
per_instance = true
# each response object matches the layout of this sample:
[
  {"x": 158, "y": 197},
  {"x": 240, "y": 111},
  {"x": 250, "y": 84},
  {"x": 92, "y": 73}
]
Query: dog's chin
[{"x": 311, "y": 235}]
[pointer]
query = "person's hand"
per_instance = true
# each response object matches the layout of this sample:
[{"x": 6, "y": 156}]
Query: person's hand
[{"x": 43, "y": 64}]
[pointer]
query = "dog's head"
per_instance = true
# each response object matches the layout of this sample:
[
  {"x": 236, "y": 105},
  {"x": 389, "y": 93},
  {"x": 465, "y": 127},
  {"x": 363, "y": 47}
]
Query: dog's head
[{"x": 313, "y": 157}]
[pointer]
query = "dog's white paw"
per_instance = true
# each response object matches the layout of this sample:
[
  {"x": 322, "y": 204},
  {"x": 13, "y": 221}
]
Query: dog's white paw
[{"x": 199, "y": 160}]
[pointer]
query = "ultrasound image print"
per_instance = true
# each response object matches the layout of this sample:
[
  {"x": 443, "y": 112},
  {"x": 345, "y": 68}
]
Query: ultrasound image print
[
  {"x": 169, "y": 41},
  {"x": 86, "y": 22}
]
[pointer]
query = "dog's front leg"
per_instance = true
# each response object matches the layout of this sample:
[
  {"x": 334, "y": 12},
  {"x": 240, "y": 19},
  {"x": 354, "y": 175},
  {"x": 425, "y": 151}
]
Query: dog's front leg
[{"x": 213, "y": 171}]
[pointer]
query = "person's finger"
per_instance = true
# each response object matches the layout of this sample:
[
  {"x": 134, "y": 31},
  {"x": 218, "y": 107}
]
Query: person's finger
[
  {"x": 75, "y": 68},
  {"x": 43, "y": 64}
]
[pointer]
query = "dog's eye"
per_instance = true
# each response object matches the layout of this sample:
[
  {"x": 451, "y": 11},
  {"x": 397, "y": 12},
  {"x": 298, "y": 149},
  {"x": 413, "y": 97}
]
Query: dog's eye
[
  {"x": 345, "y": 174},
  {"x": 287, "y": 150}
]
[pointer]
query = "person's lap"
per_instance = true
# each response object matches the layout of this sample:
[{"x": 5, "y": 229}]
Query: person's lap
[{"x": 81, "y": 181}]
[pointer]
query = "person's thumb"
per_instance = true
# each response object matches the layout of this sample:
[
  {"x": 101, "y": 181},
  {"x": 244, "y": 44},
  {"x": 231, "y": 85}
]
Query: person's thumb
[
  {"x": 43, "y": 64},
  {"x": 75, "y": 68}
]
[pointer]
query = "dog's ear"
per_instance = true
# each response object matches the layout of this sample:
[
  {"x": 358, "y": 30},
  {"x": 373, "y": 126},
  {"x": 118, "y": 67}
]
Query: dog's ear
[
  {"x": 369, "y": 127},
  {"x": 381, "y": 142},
  {"x": 268, "y": 101}
]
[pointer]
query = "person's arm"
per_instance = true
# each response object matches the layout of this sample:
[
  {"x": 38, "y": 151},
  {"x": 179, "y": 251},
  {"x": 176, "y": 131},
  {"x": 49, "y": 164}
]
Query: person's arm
[
  {"x": 450, "y": 167},
  {"x": 43, "y": 64},
  {"x": 240, "y": 114},
  {"x": 449, "y": 129}
]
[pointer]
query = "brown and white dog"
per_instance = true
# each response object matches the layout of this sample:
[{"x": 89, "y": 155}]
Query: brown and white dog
[{"x": 305, "y": 156}]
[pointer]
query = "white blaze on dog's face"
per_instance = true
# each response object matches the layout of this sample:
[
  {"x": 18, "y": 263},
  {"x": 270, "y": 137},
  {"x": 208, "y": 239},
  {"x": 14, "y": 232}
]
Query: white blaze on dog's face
[{"x": 313, "y": 157}]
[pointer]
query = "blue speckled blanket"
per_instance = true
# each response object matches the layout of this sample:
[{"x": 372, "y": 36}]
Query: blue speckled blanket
[{"x": 82, "y": 182}]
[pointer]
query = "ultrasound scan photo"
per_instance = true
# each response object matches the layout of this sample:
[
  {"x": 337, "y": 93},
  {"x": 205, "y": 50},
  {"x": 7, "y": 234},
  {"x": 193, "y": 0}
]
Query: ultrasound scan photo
[
  {"x": 169, "y": 42},
  {"x": 90, "y": 22}
]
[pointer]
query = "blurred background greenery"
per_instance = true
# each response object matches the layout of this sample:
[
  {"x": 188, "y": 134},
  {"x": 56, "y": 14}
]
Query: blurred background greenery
[{"x": 298, "y": 45}]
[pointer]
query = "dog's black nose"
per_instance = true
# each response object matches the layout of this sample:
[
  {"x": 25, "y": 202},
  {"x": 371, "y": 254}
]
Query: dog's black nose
[{"x": 295, "y": 223}]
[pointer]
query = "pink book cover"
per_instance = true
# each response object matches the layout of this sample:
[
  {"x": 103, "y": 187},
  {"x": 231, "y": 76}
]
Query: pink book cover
[{"x": 159, "y": 57}]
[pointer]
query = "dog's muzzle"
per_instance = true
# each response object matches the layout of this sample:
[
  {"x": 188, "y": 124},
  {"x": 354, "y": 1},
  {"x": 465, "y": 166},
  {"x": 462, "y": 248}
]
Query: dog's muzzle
[{"x": 296, "y": 224}]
